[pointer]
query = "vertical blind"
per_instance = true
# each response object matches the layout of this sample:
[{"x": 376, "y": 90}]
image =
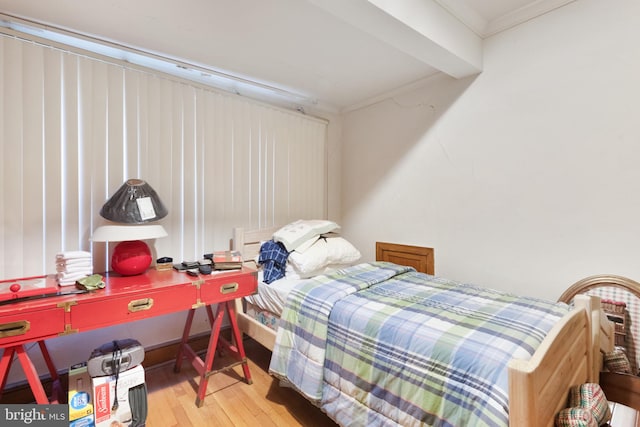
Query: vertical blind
[{"x": 74, "y": 127}]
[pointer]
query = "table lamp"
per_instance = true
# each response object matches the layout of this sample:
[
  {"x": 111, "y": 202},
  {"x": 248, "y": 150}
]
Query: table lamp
[{"x": 133, "y": 206}]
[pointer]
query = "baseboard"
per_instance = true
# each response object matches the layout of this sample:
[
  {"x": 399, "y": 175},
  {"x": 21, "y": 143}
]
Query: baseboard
[{"x": 164, "y": 353}]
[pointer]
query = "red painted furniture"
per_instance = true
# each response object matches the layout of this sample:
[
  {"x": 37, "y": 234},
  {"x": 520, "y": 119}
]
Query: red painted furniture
[{"x": 123, "y": 299}]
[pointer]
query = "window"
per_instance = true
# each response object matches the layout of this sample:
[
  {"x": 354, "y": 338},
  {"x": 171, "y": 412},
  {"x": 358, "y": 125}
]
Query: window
[{"x": 74, "y": 127}]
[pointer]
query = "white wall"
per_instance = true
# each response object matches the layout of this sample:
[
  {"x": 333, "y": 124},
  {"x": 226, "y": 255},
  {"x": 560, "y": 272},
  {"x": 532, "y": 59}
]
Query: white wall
[{"x": 524, "y": 178}]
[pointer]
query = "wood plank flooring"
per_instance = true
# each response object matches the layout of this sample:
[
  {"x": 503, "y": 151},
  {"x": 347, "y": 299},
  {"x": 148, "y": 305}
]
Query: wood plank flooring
[{"x": 230, "y": 401}]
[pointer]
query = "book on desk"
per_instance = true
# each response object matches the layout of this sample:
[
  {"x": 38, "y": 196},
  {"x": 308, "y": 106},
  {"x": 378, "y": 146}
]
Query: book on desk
[{"x": 225, "y": 260}]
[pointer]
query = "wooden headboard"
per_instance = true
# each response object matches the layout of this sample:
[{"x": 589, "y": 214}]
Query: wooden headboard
[
  {"x": 248, "y": 241},
  {"x": 418, "y": 257}
]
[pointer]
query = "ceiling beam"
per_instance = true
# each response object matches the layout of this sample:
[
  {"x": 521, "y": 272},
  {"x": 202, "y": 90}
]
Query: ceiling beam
[{"x": 420, "y": 28}]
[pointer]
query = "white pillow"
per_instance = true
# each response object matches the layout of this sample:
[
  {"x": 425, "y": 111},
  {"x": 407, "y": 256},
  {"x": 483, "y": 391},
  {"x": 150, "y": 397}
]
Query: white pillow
[
  {"x": 302, "y": 247},
  {"x": 299, "y": 232},
  {"x": 333, "y": 250}
]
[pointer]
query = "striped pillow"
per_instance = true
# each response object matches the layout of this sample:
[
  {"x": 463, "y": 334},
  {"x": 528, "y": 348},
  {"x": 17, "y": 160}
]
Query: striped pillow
[
  {"x": 617, "y": 361},
  {"x": 591, "y": 397}
]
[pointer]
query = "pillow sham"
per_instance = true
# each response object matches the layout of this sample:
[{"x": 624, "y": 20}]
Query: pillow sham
[
  {"x": 325, "y": 251},
  {"x": 302, "y": 247},
  {"x": 307, "y": 244},
  {"x": 298, "y": 232}
]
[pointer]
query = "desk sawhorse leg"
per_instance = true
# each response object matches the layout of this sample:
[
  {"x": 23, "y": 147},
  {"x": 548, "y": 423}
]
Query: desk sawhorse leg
[
  {"x": 204, "y": 367},
  {"x": 30, "y": 372}
]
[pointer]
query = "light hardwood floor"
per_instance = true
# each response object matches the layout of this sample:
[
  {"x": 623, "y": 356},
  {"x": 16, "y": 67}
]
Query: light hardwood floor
[{"x": 230, "y": 401}]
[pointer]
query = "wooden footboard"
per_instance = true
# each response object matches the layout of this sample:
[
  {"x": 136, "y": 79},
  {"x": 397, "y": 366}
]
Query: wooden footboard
[{"x": 568, "y": 356}]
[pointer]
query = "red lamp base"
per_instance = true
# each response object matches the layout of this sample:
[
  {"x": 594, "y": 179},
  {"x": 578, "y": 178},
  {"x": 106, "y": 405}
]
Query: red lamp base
[{"x": 131, "y": 257}]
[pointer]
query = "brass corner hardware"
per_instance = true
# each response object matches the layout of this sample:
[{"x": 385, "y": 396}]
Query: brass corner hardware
[
  {"x": 68, "y": 331},
  {"x": 66, "y": 305}
]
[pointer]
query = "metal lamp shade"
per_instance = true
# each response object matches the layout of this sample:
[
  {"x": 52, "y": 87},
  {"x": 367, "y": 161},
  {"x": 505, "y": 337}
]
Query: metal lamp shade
[{"x": 135, "y": 202}]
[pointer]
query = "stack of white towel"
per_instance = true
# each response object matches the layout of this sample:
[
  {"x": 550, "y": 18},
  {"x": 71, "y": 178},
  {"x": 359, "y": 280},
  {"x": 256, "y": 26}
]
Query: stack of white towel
[{"x": 73, "y": 265}]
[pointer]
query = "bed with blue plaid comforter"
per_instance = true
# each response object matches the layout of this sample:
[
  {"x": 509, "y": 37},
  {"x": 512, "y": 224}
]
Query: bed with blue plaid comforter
[{"x": 380, "y": 344}]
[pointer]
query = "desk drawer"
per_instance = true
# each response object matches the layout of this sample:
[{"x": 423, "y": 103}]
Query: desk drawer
[
  {"x": 29, "y": 326},
  {"x": 127, "y": 308},
  {"x": 228, "y": 288}
]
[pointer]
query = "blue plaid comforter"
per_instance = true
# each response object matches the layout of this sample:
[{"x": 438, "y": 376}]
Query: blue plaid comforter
[{"x": 380, "y": 344}]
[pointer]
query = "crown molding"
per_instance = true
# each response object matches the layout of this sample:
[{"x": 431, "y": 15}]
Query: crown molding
[{"x": 483, "y": 28}]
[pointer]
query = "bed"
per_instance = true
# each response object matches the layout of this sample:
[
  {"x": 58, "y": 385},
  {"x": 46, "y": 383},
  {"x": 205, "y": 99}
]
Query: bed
[{"x": 569, "y": 354}]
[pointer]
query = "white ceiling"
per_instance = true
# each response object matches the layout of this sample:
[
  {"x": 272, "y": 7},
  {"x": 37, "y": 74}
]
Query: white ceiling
[{"x": 335, "y": 54}]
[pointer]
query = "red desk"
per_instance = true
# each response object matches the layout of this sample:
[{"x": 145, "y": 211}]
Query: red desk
[{"x": 124, "y": 299}]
